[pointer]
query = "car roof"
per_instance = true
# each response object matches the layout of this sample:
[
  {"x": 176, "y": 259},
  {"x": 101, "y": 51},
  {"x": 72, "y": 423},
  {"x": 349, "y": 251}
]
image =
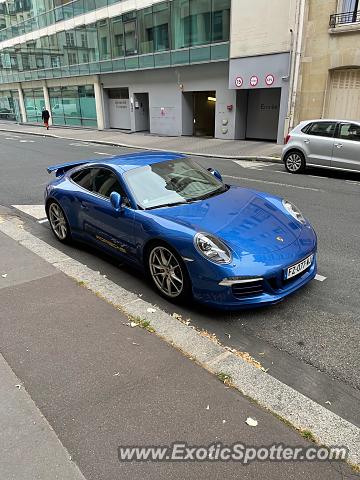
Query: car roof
[
  {"x": 329, "y": 120},
  {"x": 127, "y": 162}
]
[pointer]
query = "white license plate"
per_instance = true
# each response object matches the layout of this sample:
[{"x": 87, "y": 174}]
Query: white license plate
[{"x": 298, "y": 267}]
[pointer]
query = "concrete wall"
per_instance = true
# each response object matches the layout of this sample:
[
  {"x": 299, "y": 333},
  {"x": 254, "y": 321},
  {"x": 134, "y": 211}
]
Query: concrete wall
[
  {"x": 323, "y": 49},
  {"x": 169, "y": 109},
  {"x": 261, "y": 27}
]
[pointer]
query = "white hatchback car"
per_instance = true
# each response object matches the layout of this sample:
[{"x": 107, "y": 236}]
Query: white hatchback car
[{"x": 323, "y": 143}]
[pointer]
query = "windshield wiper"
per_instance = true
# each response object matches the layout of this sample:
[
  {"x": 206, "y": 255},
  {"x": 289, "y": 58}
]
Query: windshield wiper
[
  {"x": 218, "y": 191},
  {"x": 167, "y": 205}
]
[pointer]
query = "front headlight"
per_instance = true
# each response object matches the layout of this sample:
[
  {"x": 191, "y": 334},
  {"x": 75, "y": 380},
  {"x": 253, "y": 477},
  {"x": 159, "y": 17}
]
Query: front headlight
[
  {"x": 294, "y": 211},
  {"x": 212, "y": 248}
]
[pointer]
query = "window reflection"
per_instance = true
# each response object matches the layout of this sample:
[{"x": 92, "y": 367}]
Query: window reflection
[
  {"x": 165, "y": 26},
  {"x": 73, "y": 105}
]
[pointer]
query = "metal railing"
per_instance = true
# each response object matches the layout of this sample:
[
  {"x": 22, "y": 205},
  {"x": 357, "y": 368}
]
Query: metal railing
[{"x": 344, "y": 18}]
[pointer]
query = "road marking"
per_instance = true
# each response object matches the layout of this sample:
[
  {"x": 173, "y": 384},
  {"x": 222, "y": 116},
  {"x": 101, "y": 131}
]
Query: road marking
[
  {"x": 36, "y": 211},
  {"x": 253, "y": 165},
  {"x": 104, "y": 153},
  {"x": 77, "y": 144},
  {"x": 10, "y": 138},
  {"x": 27, "y": 141},
  {"x": 320, "y": 278},
  {"x": 273, "y": 183},
  {"x": 44, "y": 220}
]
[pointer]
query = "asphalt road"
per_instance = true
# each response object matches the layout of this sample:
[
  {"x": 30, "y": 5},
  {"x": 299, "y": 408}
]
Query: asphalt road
[{"x": 311, "y": 340}]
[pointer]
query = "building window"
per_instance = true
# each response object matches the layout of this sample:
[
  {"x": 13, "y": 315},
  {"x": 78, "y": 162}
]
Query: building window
[
  {"x": 117, "y": 37},
  {"x": 73, "y": 105},
  {"x": 70, "y": 39},
  {"x": 348, "y": 12}
]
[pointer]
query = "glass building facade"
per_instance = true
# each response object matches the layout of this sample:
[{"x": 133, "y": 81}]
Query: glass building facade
[
  {"x": 9, "y": 105},
  {"x": 73, "y": 105},
  {"x": 176, "y": 32},
  {"x": 167, "y": 33}
]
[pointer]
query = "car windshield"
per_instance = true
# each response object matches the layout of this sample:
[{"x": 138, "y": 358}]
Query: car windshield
[{"x": 171, "y": 183}]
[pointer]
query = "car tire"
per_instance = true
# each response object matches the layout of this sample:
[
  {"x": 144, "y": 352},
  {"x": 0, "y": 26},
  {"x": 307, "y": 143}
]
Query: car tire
[
  {"x": 58, "y": 222},
  {"x": 295, "y": 162},
  {"x": 168, "y": 273}
]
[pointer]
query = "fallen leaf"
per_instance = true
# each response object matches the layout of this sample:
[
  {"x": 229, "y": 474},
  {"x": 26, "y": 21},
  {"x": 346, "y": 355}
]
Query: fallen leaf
[
  {"x": 151, "y": 310},
  {"x": 224, "y": 421},
  {"x": 18, "y": 386},
  {"x": 228, "y": 334},
  {"x": 327, "y": 402},
  {"x": 251, "y": 422},
  {"x": 137, "y": 344},
  {"x": 133, "y": 324},
  {"x": 4, "y": 275},
  {"x": 261, "y": 353},
  {"x": 208, "y": 407},
  {"x": 116, "y": 374}
]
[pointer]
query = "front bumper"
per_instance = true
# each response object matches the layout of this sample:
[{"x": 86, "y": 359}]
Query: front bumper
[
  {"x": 212, "y": 284},
  {"x": 261, "y": 291}
]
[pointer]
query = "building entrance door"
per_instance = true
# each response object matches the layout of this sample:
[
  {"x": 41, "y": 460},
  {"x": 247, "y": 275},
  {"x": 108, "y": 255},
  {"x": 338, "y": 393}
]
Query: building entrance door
[
  {"x": 263, "y": 108},
  {"x": 204, "y": 105},
  {"x": 119, "y": 108},
  {"x": 141, "y": 111}
]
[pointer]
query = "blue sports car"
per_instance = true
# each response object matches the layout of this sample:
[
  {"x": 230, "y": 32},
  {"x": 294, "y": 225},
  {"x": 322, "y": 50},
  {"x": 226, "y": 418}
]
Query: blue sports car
[{"x": 195, "y": 236}]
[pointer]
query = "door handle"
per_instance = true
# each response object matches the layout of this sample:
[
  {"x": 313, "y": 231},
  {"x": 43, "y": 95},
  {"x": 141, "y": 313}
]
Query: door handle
[
  {"x": 83, "y": 206},
  {"x": 338, "y": 145},
  {"x": 306, "y": 141}
]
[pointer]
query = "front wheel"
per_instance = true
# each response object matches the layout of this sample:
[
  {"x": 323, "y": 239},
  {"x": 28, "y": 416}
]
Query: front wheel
[
  {"x": 168, "y": 273},
  {"x": 295, "y": 162},
  {"x": 58, "y": 223}
]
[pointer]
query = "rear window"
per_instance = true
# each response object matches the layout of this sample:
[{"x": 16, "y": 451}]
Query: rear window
[{"x": 320, "y": 129}]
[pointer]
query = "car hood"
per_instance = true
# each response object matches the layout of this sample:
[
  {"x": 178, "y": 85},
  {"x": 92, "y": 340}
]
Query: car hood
[{"x": 249, "y": 222}]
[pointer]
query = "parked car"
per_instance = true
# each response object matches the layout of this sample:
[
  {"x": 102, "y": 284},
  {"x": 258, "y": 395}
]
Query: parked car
[
  {"x": 195, "y": 236},
  {"x": 323, "y": 143}
]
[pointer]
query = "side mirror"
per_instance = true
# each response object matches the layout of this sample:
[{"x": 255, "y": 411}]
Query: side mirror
[
  {"x": 216, "y": 173},
  {"x": 115, "y": 200}
]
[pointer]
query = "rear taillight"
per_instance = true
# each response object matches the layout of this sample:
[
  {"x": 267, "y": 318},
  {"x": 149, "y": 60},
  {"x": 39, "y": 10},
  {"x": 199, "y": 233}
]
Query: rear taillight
[{"x": 287, "y": 138}]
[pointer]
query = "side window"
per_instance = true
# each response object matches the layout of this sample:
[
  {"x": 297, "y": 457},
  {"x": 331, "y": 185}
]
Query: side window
[
  {"x": 84, "y": 178},
  {"x": 322, "y": 129},
  {"x": 106, "y": 182},
  {"x": 349, "y": 131}
]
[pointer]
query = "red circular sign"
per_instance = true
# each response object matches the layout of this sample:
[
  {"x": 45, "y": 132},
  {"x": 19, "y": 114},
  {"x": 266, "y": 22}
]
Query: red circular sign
[
  {"x": 254, "y": 81},
  {"x": 269, "y": 79},
  {"x": 239, "y": 82}
]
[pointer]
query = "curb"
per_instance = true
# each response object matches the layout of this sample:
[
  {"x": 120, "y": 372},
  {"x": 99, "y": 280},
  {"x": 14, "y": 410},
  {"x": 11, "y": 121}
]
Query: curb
[
  {"x": 301, "y": 412},
  {"x": 125, "y": 145}
]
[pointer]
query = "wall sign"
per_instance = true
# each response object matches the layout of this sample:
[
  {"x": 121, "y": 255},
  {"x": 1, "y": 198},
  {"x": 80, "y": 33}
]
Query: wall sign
[
  {"x": 239, "y": 82},
  {"x": 269, "y": 79},
  {"x": 254, "y": 81}
]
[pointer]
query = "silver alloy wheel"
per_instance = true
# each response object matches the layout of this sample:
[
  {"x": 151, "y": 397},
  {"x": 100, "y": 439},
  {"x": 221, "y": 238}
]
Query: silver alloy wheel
[
  {"x": 294, "y": 162},
  {"x": 57, "y": 221},
  {"x": 166, "y": 271}
]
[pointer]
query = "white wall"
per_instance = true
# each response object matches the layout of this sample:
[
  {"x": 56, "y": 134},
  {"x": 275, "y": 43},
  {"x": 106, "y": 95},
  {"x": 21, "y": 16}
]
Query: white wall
[{"x": 261, "y": 27}]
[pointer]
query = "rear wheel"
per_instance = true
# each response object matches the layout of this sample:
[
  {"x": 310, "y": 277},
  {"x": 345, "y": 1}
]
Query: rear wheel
[
  {"x": 58, "y": 223},
  {"x": 295, "y": 162},
  {"x": 168, "y": 273}
]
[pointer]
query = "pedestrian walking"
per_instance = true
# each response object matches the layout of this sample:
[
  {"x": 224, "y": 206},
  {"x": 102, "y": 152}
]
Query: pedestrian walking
[{"x": 45, "y": 116}]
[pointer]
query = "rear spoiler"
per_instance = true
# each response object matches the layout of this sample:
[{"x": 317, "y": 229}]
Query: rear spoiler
[{"x": 61, "y": 168}]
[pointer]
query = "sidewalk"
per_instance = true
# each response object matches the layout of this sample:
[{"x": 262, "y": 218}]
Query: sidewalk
[
  {"x": 190, "y": 145},
  {"x": 102, "y": 384}
]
